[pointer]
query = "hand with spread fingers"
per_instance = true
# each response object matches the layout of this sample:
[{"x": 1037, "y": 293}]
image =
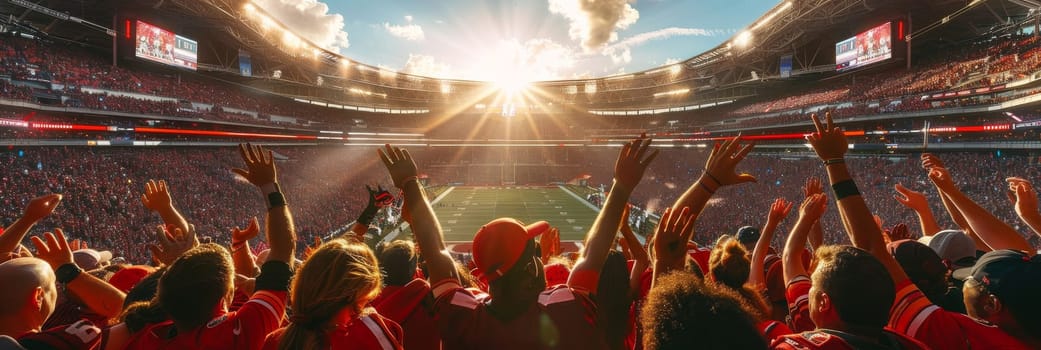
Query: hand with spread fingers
[
  {"x": 828, "y": 141},
  {"x": 156, "y": 196},
  {"x": 632, "y": 162},
  {"x": 911, "y": 199},
  {"x": 400, "y": 164},
  {"x": 813, "y": 186},
  {"x": 723, "y": 160},
  {"x": 260, "y": 165},
  {"x": 53, "y": 248},
  {"x": 170, "y": 245},
  {"x": 670, "y": 239},
  {"x": 778, "y": 211}
]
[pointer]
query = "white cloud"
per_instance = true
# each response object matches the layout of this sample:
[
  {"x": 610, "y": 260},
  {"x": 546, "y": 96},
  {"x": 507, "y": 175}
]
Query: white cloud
[
  {"x": 670, "y": 60},
  {"x": 595, "y": 23},
  {"x": 621, "y": 52},
  {"x": 309, "y": 19},
  {"x": 427, "y": 66},
  {"x": 410, "y": 32},
  {"x": 532, "y": 60},
  {"x": 408, "y": 18}
]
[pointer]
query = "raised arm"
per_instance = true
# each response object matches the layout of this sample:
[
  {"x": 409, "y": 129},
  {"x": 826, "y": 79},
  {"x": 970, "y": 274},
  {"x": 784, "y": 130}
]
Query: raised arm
[
  {"x": 829, "y": 142},
  {"x": 1022, "y": 193},
  {"x": 361, "y": 225},
  {"x": 425, "y": 226},
  {"x": 241, "y": 253},
  {"x": 278, "y": 223},
  {"x": 930, "y": 161},
  {"x": 157, "y": 198},
  {"x": 810, "y": 212},
  {"x": 96, "y": 294},
  {"x": 719, "y": 172},
  {"x": 995, "y": 233},
  {"x": 628, "y": 171},
  {"x": 815, "y": 186},
  {"x": 38, "y": 208},
  {"x": 641, "y": 260},
  {"x": 778, "y": 211},
  {"x": 916, "y": 201},
  {"x": 670, "y": 242}
]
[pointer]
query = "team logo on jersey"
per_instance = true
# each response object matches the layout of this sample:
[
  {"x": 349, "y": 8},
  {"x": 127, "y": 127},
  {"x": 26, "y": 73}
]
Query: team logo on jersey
[
  {"x": 217, "y": 321},
  {"x": 818, "y": 338}
]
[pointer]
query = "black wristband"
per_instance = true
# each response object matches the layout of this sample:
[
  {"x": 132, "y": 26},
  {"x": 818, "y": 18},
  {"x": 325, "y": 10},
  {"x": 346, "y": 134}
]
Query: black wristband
[
  {"x": 845, "y": 189},
  {"x": 68, "y": 272},
  {"x": 275, "y": 200},
  {"x": 274, "y": 276},
  {"x": 834, "y": 161}
]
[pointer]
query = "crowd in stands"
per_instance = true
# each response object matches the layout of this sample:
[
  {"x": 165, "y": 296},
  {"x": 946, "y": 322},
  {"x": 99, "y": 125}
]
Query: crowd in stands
[{"x": 883, "y": 279}]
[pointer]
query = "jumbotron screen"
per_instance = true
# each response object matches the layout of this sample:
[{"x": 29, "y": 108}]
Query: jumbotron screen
[
  {"x": 163, "y": 46},
  {"x": 873, "y": 45}
]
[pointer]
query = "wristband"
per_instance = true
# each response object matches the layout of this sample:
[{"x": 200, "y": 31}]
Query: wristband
[
  {"x": 834, "y": 161},
  {"x": 68, "y": 272},
  {"x": 409, "y": 179},
  {"x": 703, "y": 185},
  {"x": 275, "y": 200},
  {"x": 845, "y": 189},
  {"x": 714, "y": 179}
]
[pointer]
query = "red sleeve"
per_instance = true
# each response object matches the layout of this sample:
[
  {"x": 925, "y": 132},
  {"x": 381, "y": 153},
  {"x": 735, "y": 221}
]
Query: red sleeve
[
  {"x": 585, "y": 281},
  {"x": 798, "y": 295},
  {"x": 261, "y": 315},
  {"x": 82, "y": 335},
  {"x": 455, "y": 308}
]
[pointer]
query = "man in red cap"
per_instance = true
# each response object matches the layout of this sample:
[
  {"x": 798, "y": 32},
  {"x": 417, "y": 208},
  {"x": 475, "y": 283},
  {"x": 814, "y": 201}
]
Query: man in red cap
[{"x": 518, "y": 313}]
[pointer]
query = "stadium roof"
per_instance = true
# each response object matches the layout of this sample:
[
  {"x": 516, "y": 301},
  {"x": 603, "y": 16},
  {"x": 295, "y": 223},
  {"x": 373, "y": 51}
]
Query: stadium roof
[{"x": 806, "y": 29}]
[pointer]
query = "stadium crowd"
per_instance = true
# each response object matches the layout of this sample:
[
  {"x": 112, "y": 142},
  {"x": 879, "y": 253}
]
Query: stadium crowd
[{"x": 876, "y": 277}]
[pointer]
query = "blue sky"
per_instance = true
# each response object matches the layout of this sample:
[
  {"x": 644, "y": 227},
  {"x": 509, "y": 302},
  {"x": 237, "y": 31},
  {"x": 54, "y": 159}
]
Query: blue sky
[{"x": 517, "y": 39}]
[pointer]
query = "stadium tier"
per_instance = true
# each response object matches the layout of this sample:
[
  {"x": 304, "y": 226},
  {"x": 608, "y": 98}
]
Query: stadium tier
[{"x": 220, "y": 174}]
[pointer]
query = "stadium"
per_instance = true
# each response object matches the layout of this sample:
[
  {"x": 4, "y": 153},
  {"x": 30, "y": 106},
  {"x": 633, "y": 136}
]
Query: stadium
[{"x": 100, "y": 97}]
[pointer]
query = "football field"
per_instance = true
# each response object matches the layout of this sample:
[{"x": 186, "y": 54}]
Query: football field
[{"x": 463, "y": 210}]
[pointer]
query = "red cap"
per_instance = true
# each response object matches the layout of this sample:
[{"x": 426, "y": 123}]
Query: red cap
[
  {"x": 499, "y": 243},
  {"x": 127, "y": 278}
]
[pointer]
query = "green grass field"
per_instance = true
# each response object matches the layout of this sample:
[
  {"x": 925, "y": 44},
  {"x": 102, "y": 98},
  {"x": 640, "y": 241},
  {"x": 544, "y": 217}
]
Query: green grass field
[{"x": 463, "y": 210}]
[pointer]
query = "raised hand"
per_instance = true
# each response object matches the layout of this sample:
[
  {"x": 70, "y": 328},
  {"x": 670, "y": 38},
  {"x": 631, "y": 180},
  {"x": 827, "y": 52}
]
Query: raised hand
[
  {"x": 671, "y": 237},
  {"x": 170, "y": 245},
  {"x": 909, "y": 198},
  {"x": 312, "y": 248},
  {"x": 942, "y": 179},
  {"x": 631, "y": 163},
  {"x": 828, "y": 141},
  {"x": 260, "y": 165},
  {"x": 156, "y": 196},
  {"x": 723, "y": 160},
  {"x": 813, "y": 207},
  {"x": 1024, "y": 196},
  {"x": 899, "y": 232},
  {"x": 778, "y": 211},
  {"x": 55, "y": 250},
  {"x": 813, "y": 186},
  {"x": 247, "y": 233},
  {"x": 41, "y": 207},
  {"x": 930, "y": 161},
  {"x": 550, "y": 243},
  {"x": 400, "y": 164}
]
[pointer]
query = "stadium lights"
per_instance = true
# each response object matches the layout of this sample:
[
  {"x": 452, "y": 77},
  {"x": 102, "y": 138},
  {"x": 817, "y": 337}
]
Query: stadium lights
[
  {"x": 1013, "y": 116},
  {"x": 672, "y": 93},
  {"x": 770, "y": 17},
  {"x": 743, "y": 39},
  {"x": 249, "y": 8}
]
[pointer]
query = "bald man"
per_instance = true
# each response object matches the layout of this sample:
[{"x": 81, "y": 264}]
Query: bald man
[{"x": 28, "y": 296}]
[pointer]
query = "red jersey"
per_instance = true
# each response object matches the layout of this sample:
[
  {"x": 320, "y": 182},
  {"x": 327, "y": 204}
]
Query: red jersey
[
  {"x": 562, "y": 318},
  {"x": 798, "y": 295},
  {"x": 409, "y": 307},
  {"x": 772, "y": 329},
  {"x": 371, "y": 331},
  {"x": 245, "y": 328},
  {"x": 835, "y": 340},
  {"x": 82, "y": 335},
  {"x": 914, "y": 315},
  {"x": 701, "y": 256}
]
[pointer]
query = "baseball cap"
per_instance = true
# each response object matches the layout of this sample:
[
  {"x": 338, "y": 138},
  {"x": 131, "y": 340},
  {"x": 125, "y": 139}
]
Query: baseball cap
[
  {"x": 127, "y": 278},
  {"x": 748, "y": 236},
  {"x": 89, "y": 259},
  {"x": 499, "y": 244},
  {"x": 1011, "y": 275},
  {"x": 953, "y": 246},
  {"x": 918, "y": 260}
]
